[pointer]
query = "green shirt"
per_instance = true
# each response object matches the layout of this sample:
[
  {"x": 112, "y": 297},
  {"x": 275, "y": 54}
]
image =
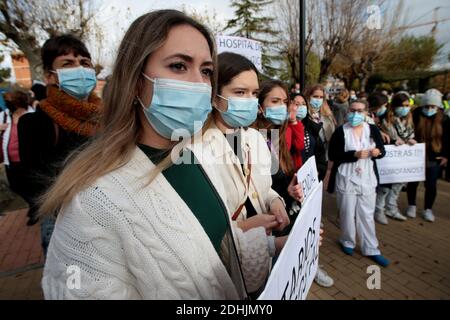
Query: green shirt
[{"x": 194, "y": 187}]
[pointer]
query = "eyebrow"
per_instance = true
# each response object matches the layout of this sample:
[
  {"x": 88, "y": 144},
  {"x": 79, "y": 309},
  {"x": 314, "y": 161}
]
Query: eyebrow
[
  {"x": 187, "y": 58},
  {"x": 73, "y": 60}
]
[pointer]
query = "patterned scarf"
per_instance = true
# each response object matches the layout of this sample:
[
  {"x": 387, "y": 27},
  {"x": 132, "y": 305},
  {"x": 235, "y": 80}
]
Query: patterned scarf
[
  {"x": 404, "y": 131},
  {"x": 81, "y": 117}
]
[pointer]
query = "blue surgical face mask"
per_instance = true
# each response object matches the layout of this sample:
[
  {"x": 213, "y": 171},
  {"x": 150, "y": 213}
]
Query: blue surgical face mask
[
  {"x": 241, "y": 112},
  {"x": 355, "y": 118},
  {"x": 429, "y": 112},
  {"x": 77, "y": 82},
  {"x": 401, "y": 112},
  {"x": 302, "y": 111},
  {"x": 381, "y": 111},
  {"x": 316, "y": 103},
  {"x": 277, "y": 114},
  {"x": 178, "y": 107}
]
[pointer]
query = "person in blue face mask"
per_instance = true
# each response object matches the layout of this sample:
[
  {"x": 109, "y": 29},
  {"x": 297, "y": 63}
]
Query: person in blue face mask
[
  {"x": 387, "y": 194},
  {"x": 432, "y": 127},
  {"x": 64, "y": 121},
  {"x": 143, "y": 194},
  {"x": 354, "y": 147},
  {"x": 242, "y": 157}
]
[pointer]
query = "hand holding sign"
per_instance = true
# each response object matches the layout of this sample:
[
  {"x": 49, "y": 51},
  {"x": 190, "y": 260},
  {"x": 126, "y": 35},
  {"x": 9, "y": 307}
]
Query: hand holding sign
[{"x": 295, "y": 190}]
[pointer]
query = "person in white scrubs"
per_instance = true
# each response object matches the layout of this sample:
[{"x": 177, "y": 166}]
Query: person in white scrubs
[{"x": 354, "y": 147}]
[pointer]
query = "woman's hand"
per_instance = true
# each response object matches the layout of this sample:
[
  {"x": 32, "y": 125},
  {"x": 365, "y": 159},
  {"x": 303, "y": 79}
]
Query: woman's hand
[
  {"x": 267, "y": 221},
  {"x": 444, "y": 161},
  {"x": 3, "y": 126},
  {"x": 374, "y": 153},
  {"x": 399, "y": 142},
  {"x": 320, "y": 238},
  {"x": 385, "y": 137},
  {"x": 412, "y": 142},
  {"x": 279, "y": 211},
  {"x": 295, "y": 190}
]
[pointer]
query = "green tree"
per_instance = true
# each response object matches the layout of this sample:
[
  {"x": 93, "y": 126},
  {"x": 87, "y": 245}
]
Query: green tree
[
  {"x": 4, "y": 73},
  {"x": 411, "y": 53},
  {"x": 250, "y": 23}
]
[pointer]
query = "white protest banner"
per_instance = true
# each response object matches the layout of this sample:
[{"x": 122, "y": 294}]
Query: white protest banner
[
  {"x": 402, "y": 164},
  {"x": 308, "y": 177},
  {"x": 296, "y": 267},
  {"x": 250, "y": 49}
]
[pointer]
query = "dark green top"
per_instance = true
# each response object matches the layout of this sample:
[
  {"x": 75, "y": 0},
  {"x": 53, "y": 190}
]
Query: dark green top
[{"x": 196, "y": 190}]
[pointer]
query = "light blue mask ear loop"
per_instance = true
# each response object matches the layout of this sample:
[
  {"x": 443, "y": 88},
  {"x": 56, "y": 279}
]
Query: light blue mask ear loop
[
  {"x": 137, "y": 97},
  {"x": 222, "y": 97}
]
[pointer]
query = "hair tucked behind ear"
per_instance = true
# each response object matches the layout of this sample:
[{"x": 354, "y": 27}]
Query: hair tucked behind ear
[{"x": 115, "y": 144}]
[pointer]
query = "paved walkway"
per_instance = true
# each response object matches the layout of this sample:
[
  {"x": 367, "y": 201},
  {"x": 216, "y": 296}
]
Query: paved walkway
[{"x": 419, "y": 251}]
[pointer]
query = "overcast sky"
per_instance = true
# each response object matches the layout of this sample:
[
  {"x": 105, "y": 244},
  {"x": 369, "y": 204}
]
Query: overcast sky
[
  {"x": 419, "y": 11},
  {"x": 116, "y": 16}
]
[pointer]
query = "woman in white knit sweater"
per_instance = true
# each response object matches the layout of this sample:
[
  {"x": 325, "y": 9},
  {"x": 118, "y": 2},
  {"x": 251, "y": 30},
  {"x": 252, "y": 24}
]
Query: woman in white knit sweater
[{"x": 131, "y": 225}]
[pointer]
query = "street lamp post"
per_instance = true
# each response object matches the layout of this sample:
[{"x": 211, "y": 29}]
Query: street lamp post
[{"x": 302, "y": 31}]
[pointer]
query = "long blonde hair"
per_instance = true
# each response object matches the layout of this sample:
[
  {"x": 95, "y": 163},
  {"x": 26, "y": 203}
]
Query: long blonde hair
[{"x": 114, "y": 145}]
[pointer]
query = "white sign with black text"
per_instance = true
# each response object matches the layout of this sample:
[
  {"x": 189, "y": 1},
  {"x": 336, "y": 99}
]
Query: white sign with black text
[
  {"x": 308, "y": 177},
  {"x": 295, "y": 269},
  {"x": 402, "y": 164},
  {"x": 248, "y": 48}
]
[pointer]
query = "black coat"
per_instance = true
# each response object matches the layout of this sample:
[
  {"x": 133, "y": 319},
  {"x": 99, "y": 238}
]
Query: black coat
[
  {"x": 42, "y": 153},
  {"x": 317, "y": 146},
  {"x": 338, "y": 155}
]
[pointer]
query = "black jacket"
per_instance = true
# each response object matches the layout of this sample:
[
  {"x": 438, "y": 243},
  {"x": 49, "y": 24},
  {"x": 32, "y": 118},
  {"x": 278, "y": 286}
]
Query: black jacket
[
  {"x": 318, "y": 146},
  {"x": 338, "y": 155},
  {"x": 42, "y": 153}
]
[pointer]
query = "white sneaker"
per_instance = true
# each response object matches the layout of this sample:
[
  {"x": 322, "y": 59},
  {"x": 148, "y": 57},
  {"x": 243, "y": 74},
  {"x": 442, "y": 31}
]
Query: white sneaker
[
  {"x": 428, "y": 215},
  {"x": 380, "y": 217},
  {"x": 411, "y": 212},
  {"x": 323, "y": 279},
  {"x": 395, "y": 215}
]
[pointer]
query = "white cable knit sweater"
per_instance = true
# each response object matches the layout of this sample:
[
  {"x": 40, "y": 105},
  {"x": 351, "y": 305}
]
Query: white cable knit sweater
[{"x": 132, "y": 241}]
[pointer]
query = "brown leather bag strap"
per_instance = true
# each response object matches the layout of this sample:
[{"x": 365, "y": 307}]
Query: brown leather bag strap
[{"x": 238, "y": 211}]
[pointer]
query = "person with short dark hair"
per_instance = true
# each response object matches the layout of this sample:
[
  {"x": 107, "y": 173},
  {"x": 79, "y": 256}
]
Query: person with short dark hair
[{"x": 63, "y": 121}]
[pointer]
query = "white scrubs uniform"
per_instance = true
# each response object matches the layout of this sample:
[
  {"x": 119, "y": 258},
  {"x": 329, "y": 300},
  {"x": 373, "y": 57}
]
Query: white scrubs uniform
[{"x": 356, "y": 184}]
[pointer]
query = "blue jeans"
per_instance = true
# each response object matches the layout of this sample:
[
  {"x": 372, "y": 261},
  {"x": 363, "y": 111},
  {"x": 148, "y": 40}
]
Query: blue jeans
[{"x": 47, "y": 226}]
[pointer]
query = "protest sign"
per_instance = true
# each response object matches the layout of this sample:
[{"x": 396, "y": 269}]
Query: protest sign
[
  {"x": 296, "y": 267},
  {"x": 402, "y": 164},
  {"x": 308, "y": 177},
  {"x": 250, "y": 49}
]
